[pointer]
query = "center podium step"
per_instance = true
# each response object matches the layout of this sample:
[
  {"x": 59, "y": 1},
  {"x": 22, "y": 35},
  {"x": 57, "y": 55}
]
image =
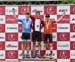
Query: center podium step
[{"x": 37, "y": 60}]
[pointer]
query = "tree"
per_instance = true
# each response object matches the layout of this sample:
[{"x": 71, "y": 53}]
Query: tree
[{"x": 68, "y": 1}]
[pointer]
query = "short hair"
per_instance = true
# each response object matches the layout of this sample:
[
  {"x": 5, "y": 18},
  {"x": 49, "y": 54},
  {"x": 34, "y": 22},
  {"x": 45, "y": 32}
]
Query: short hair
[
  {"x": 27, "y": 13},
  {"x": 37, "y": 12}
]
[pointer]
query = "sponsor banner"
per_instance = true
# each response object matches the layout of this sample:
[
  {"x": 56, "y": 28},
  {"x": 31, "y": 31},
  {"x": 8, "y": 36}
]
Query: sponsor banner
[
  {"x": 2, "y": 10},
  {"x": 72, "y": 60},
  {"x": 10, "y": 19},
  {"x": 65, "y": 19},
  {"x": 72, "y": 54},
  {"x": 11, "y": 54},
  {"x": 63, "y": 54},
  {"x": 2, "y": 54},
  {"x": 72, "y": 9},
  {"x": 63, "y": 36},
  {"x": 23, "y": 9},
  {"x": 12, "y": 28},
  {"x": 63, "y": 60},
  {"x": 11, "y": 60},
  {"x": 63, "y": 45},
  {"x": 2, "y": 45},
  {"x": 9, "y": 10},
  {"x": 72, "y": 29},
  {"x": 11, "y": 36},
  {"x": 72, "y": 44},
  {"x": 50, "y": 9},
  {"x": 72, "y": 19},
  {"x": 2, "y": 37},
  {"x": 37, "y": 8},
  {"x": 72, "y": 36},
  {"x": 11, "y": 46},
  {"x": 2, "y": 28},
  {"x": 61, "y": 9},
  {"x": 54, "y": 36},
  {"x": 63, "y": 28},
  {"x": 2, "y": 19}
]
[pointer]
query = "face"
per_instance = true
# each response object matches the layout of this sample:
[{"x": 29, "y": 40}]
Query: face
[
  {"x": 37, "y": 15},
  {"x": 47, "y": 18},
  {"x": 27, "y": 16}
]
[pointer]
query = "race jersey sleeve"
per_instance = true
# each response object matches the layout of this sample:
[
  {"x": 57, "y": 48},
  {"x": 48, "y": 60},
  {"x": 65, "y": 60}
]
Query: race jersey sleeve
[
  {"x": 20, "y": 20},
  {"x": 32, "y": 18},
  {"x": 31, "y": 24},
  {"x": 53, "y": 23}
]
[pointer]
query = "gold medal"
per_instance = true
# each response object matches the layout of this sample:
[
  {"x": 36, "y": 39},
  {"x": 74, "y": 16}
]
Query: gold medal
[{"x": 47, "y": 24}]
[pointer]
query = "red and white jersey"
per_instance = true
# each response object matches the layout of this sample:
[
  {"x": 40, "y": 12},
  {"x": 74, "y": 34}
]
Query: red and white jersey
[{"x": 37, "y": 24}]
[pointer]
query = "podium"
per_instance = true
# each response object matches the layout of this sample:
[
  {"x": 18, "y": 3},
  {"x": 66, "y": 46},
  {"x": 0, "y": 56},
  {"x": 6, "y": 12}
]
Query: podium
[{"x": 38, "y": 60}]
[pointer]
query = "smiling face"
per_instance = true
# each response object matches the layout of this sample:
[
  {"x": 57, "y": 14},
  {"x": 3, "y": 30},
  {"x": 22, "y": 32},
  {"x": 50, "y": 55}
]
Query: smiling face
[
  {"x": 37, "y": 14},
  {"x": 47, "y": 18},
  {"x": 27, "y": 15}
]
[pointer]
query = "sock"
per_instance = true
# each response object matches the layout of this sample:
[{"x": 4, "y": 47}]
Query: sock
[{"x": 39, "y": 51}]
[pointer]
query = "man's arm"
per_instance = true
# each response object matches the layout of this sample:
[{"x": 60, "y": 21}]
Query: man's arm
[
  {"x": 28, "y": 11},
  {"x": 61, "y": 17},
  {"x": 13, "y": 10},
  {"x": 20, "y": 20}
]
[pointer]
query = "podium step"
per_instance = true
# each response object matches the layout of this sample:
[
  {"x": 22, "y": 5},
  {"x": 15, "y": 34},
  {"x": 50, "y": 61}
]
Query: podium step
[{"x": 37, "y": 61}]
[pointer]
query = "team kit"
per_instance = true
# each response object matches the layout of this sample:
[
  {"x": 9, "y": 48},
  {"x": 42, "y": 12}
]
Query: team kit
[{"x": 36, "y": 24}]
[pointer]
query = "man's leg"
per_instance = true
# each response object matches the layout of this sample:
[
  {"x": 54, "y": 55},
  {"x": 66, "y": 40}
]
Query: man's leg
[
  {"x": 51, "y": 46},
  {"x": 27, "y": 45},
  {"x": 39, "y": 40},
  {"x": 23, "y": 43},
  {"x": 34, "y": 40},
  {"x": 39, "y": 49},
  {"x": 34, "y": 50},
  {"x": 51, "y": 52},
  {"x": 39, "y": 44},
  {"x": 23, "y": 49},
  {"x": 27, "y": 48},
  {"x": 34, "y": 45},
  {"x": 45, "y": 41},
  {"x": 23, "y": 46}
]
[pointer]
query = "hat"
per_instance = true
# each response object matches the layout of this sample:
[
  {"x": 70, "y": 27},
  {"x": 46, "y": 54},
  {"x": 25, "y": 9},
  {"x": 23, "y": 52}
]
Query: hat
[{"x": 47, "y": 15}]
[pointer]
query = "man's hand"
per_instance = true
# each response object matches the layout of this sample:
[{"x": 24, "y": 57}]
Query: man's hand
[
  {"x": 64, "y": 12},
  {"x": 61, "y": 16},
  {"x": 28, "y": 8},
  {"x": 13, "y": 10}
]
